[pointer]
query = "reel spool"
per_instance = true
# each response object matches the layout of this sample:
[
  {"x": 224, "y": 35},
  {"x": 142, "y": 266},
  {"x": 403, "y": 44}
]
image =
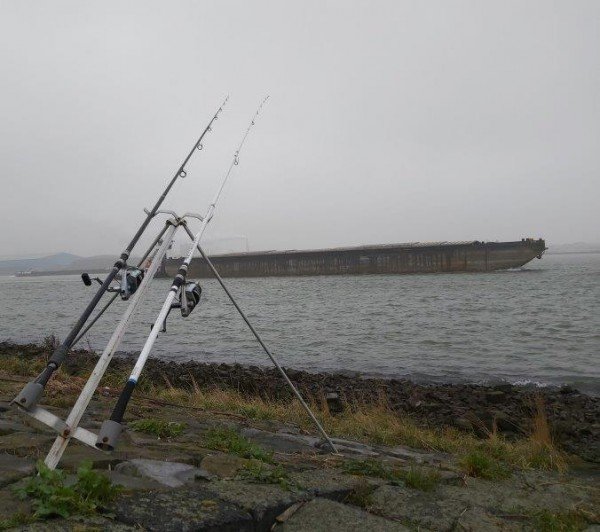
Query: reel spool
[
  {"x": 189, "y": 297},
  {"x": 130, "y": 281}
]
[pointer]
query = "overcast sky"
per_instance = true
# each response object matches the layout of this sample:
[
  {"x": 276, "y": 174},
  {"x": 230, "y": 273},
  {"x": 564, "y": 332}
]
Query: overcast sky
[{"x": 388, "y": 121}]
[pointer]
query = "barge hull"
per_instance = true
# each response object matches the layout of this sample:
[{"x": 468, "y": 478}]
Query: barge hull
[{"x": 442, "y": 257}]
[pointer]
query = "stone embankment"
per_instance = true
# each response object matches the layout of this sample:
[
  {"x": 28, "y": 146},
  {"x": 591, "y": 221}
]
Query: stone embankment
[
  {"x": 573, "y": 416},
  {"x": 275, "y": 477}
]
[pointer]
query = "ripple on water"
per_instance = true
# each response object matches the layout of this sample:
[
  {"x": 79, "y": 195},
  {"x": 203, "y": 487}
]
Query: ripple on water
[{"x": 538, "y": 325}]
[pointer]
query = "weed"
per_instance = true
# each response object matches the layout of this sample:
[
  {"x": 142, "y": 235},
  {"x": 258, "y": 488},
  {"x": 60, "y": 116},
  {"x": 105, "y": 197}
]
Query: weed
[
  {"x": 570, "y": 521},
  {"x": 260, "y": 473},
  {"x": 50, "y": 343},
  {"x": 371, "y": 423},
  {"x": 52, "y": 498},
  {"x": 540, "y": 431},
  {"x": 230, "y": 441},
  {"x": 370, "y": 468},
  {"x": 419, "y": 479},
  {"x": 484, "y": 465},
  {"x": 20, "y": 365},
  {"x": 160, "y": 429},
  {"x": 17, "y": 520},
  {"x": 361, "y": 495}
]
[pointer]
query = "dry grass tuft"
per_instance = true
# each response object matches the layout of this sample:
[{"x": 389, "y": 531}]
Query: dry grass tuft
[
  {"x": 378, "y": 424},
  {"x": 371, "y": 423}
]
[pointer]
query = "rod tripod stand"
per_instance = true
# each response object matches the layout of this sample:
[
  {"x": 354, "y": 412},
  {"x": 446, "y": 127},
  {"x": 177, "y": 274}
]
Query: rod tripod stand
[
  {"x": 181, "y": 288},
  {"x": 69, "y": 428}
]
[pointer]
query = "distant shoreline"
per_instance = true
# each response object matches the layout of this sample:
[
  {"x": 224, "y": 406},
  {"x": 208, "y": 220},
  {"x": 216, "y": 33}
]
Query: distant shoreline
[{"x": 593, "y": 252}]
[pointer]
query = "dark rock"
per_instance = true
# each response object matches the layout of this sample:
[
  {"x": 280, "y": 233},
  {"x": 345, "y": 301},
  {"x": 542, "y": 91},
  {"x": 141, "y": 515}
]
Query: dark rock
[
  {"x": 182, "y": 509},
  {"x": 463, "y": 423},
  {"x": 264, "y": 502},
  {"x": 334, "y": 403},
  {"x": 495, "y": 397},
  {"x": 322, "y": 515},
  {"x": 170, "y": 474},
  {"x": 223, "y": 465},
  {"x": 13, "y": 468}
]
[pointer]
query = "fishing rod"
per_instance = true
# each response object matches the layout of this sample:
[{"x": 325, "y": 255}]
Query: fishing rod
[
  {"x": 32, "y": 392},
  {"x": 114, "y": 297},
  {"x": 86, "y": 280},
  {"x": 74, "y": 417},
  {"x": 189, "y": 293}
]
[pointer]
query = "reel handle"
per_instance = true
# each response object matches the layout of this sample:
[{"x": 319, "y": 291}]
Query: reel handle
[{"x": 87, "y": 280}]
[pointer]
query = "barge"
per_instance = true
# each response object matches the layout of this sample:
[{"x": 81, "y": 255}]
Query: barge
[{"x": 416, "y": 257}]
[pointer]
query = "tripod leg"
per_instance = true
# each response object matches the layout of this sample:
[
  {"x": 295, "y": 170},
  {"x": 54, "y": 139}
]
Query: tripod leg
[
  {"x": 72, "y": 421},
  {"x": 263, "y": 345}
]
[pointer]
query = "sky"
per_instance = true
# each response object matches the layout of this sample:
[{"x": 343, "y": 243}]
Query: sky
[{"x": 387, "y": 122}]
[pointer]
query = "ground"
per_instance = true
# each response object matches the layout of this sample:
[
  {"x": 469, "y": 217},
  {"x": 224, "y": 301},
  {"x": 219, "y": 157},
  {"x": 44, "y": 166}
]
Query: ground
[{"x": 186, "y": 468}]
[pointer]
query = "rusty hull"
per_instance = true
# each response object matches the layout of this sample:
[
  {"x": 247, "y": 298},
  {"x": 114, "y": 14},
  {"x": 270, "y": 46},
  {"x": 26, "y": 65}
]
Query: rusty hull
[{"x": 432, "y": 257}]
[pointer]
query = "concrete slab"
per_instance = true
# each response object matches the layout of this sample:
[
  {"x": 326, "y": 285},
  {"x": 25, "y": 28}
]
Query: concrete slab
[
  {"x": 223, "y": 465},
  {"x": 324, "y": 515},
  {"x": 328, "y": 483},
  {"x": 424, "y": 510},
  {"x": 351, "y": 448},
  {"x": 170, "y": 474},
  {"x": 281, "y": 441},
  {"x": 25, "y": 443},
  {"x": 14, "y": 468},
  {"x": 77, "y": 524},
  {"x": 264, "y": 502},
  {"x": 181, "y": 510}
]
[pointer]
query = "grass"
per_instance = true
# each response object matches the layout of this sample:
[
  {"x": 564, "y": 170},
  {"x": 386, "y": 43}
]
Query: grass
[
  {"x": 52, "y": 498},
  {"x": 368, "y": 468},
  {"x": 361, "y": 496},
  {"x": 258, "y": 472},
  {"x": 571, "y": 521},
  {"x": 421, "y": 479},
  {"x": 160, "y": 429},
  {"x": 369, "y": 423},
  {"x": 17, "y": 520},
  {"x": 229, "y": 441},
  {"x": 483, "y": 465}
]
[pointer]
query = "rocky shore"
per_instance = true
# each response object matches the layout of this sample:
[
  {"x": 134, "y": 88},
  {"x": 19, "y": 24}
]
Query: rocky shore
[
  {"x": 574, "y": 418},
  {"x": 179, "y": 468}
]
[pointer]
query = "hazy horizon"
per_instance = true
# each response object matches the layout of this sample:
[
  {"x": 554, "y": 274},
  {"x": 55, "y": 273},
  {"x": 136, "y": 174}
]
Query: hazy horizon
[{"x": 388, "y": 121}]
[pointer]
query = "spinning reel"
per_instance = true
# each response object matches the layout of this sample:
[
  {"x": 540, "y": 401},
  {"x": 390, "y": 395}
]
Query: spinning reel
[
  {"x": 188, "y": 298},
  {"x": 129, "y": 280}
]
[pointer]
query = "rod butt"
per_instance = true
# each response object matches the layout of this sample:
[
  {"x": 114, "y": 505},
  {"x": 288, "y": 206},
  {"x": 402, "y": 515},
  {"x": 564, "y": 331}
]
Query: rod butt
[
  {"x": 109, "y": 435},
  {"x": 29, "y": 395}
]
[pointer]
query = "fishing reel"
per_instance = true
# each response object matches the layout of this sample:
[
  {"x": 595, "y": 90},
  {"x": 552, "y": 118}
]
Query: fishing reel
[
  {"x": 188, "y": 298},
  {"x": 129, "y": 280}
]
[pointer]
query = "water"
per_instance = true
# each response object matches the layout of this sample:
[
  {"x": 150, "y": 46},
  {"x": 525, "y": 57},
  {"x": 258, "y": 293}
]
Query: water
[{"x": 537, "y": 325}]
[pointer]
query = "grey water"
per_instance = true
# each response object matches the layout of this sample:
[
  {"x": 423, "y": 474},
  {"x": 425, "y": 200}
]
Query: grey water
[{"x": 538, "y": 325}]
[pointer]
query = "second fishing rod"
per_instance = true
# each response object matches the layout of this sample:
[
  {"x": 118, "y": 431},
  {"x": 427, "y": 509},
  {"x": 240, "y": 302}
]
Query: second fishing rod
[
  {"x": 189, "y": 297},
  {"x": 32, "y": 392}
]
